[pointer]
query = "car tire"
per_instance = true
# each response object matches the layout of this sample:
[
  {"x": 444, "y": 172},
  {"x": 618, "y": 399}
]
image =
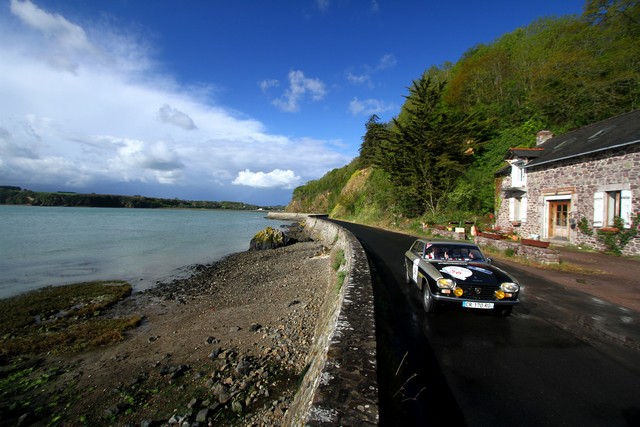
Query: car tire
[
  {"x": 504, "y": 311},
  {"x": 427, "y": 299}
]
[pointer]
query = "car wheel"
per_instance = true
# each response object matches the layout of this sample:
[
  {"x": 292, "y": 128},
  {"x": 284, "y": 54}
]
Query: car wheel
[
  {"x": 427, "y": 299},
  {"x": 503, "y": 311},
  {"x": 407, "y": 277}
]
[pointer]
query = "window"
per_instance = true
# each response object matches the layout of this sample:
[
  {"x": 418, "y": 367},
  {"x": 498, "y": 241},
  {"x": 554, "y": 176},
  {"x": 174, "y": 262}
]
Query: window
[
  {"x": 518, "y": 177},
  {"x": 612, "y": 201},
  {"x": 418, "y": 248},
  {"x": 518, "y": 209},
  {"x": 607, "y": 205}
]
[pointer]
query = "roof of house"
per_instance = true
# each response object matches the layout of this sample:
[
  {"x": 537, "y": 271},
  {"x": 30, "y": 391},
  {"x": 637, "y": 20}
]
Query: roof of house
[
  {"x": 608, "y": 134},
  {"x": 523, "y": 153}
]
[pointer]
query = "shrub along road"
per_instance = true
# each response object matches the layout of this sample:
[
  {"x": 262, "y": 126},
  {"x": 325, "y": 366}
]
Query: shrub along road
[{"x": 544, "y": 365}]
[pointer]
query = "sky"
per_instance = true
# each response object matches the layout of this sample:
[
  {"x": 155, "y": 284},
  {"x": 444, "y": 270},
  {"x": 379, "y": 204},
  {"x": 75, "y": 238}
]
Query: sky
[{"x": 217, "y": 100}]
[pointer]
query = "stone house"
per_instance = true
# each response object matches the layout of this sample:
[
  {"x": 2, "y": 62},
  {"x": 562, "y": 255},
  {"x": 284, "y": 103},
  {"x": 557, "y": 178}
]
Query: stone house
[{"x": 591, "y": 173}]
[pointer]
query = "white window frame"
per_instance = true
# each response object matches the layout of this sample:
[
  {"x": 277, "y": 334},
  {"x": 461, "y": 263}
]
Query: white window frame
[
  {"x": 602, "y": 207},
  {"x": 518, "y": 209},
  {"x": 518, "y": 174}
]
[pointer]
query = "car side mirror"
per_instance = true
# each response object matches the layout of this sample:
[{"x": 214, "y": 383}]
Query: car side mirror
[{"x": 489, "y": 260}]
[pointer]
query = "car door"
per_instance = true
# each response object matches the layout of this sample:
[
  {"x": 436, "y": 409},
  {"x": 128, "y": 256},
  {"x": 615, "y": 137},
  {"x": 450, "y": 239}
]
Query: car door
[{"x": 412, "y": 259}]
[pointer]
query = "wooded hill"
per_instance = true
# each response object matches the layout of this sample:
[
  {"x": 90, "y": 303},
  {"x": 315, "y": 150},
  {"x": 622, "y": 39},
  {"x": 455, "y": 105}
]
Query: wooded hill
[
  {"x": 10, "y": 195},
  {"x": 436, "y": 160}
]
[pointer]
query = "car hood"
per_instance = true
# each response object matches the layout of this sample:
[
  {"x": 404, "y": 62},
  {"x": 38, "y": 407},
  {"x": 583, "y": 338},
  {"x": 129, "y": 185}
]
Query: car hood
[{"x": 473, "y": 273}]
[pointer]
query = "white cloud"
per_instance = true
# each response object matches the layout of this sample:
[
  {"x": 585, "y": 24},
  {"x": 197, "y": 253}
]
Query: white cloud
[
  {"x": 98, "y": 125},
  {"x": 300, "y": 87},
  {"x": 360, "y": 80},
  {"x": 275, "y": 179},
  {"x": 175, "y": 117},
  {"x": 366, "y": 78},
  {"x": 64, "y": 39},
  {"x": 323, "y": 5},
  {"x": 368, "y": 107},
  {"x": 265, "y": 85},
  {"x": 387, "y": 61}
]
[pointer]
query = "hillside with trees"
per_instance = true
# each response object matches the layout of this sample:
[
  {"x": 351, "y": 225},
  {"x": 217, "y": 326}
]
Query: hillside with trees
[
  {"x": 11, "y": 195},
  {"x": 436, "y": 160}
]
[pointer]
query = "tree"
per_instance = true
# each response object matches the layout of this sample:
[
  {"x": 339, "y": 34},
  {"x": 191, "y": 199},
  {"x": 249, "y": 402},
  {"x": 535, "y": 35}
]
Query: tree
[
  {"x": 373, "y": 141},
  {"x": 426, "y": 154}
]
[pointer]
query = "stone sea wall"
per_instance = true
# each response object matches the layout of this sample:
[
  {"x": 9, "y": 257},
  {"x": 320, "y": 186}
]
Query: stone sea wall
[{"x": 340, "y": 386}]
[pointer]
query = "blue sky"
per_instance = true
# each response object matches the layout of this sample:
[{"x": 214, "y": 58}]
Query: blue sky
[{"x": 217, "y": 100}]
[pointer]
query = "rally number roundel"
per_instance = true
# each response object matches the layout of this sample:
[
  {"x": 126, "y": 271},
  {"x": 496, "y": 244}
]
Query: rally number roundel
[{"x": 458, "y": 272}]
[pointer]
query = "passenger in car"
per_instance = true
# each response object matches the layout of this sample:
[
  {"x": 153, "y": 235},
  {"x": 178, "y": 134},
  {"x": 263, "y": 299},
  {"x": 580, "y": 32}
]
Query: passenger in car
[
  {"x": 474, "y": 255},
  {"x": 436, "y": 253},
  {"x": 455, "y": 254}
]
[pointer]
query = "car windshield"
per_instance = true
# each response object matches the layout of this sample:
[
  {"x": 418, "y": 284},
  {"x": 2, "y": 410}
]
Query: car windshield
[{"x": 453, "y": 252}]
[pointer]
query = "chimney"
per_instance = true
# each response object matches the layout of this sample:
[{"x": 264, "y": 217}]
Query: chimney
[{"x": 543, "y": 136}]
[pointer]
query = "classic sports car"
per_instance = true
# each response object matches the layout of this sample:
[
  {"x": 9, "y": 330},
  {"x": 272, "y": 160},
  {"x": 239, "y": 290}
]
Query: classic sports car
[{"x": 456, "y": 272}]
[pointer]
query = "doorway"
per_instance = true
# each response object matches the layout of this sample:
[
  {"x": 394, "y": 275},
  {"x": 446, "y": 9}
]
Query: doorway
[{"x": 559, "y": 219}]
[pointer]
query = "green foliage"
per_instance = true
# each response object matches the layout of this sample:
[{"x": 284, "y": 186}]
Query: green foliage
[
  {"x": 322, "y": 195},
  {"x": 425, "y": 155},
  {"x": 17, "y": 196},
  {"x": 438, "y": 158},
  {"x": 613, "y": 238},
  {"x": 337, "y": 263},
  {"x": 338, "y": 260},
  {"x": 583, "y": 225}
]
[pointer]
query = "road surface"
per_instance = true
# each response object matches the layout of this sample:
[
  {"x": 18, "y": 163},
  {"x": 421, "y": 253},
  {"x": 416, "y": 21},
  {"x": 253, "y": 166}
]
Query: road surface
[{"x": 468, "y": 367}]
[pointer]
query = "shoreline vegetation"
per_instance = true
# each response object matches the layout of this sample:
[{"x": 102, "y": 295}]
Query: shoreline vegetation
[
  {"x": 226, "y": 345},
  {"x": 11, "y": 195}
]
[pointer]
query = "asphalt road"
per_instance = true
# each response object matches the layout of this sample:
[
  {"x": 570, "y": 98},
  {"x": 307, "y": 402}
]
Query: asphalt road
[{"x": 539, "y": 367}]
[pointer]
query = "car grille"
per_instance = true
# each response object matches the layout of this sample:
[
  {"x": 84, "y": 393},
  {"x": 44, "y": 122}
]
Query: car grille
[{"x": 478, "y": 292}]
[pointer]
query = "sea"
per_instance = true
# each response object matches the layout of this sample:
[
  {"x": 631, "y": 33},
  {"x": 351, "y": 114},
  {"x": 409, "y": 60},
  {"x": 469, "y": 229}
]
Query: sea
[{"x": 49, "y": 246}]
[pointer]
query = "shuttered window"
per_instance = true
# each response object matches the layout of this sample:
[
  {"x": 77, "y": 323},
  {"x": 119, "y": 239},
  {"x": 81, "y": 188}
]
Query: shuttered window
[
  {"x": 598, "y": 209},
  {"x": 518, "y": 209},
  {"x": 625, "y": 207},
  {"x": 607, "y": 205}
]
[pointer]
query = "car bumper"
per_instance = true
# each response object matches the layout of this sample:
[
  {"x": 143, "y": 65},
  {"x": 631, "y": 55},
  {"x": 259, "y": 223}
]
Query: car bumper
[{"x": 443, "y": 298}]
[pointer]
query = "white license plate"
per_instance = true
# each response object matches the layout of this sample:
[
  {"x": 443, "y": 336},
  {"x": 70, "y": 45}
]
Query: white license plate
[{"x": 471, "y": 304}]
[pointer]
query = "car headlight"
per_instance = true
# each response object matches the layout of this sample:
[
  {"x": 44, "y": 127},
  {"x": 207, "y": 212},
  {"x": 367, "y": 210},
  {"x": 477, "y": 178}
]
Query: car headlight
[
  {"x": 509, "y": 287},
  {"x": 445, "y": 283}
]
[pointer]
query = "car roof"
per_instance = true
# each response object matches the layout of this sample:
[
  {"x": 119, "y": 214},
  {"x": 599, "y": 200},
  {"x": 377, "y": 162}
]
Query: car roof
[{"x": 446, "y": 242}]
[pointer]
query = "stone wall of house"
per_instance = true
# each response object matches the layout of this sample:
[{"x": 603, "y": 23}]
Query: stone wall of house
[
  {"x": 580, "y": 180},
  {"x": 502, "y": 207}
]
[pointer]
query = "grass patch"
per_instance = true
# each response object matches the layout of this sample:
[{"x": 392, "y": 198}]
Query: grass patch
[
  {"x": 62, "y": 319},
  {"x": 337, "y": 262}
]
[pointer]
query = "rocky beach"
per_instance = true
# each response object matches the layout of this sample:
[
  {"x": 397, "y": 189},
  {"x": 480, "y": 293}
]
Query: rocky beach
[{"x": 226, "y": 346}]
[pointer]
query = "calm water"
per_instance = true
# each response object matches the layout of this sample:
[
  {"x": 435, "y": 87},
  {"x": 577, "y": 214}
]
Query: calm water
[{"x": 42, "y": 246}]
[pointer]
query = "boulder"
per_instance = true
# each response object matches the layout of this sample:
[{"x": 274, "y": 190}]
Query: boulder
[{"x": 268, "y": 238}]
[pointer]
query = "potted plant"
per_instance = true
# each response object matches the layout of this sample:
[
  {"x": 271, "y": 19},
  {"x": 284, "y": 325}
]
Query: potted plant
[{"x": 533, "y": 242}]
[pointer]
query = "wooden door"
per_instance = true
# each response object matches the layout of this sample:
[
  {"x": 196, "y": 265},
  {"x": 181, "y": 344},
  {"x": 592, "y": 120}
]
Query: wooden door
[{"x": 559, "y": 219}]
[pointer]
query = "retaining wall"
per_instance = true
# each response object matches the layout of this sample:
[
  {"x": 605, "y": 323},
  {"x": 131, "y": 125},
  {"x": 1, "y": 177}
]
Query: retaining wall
[
  {"x": 534, "y": 253},
  {"x": 340, "y": 386}
]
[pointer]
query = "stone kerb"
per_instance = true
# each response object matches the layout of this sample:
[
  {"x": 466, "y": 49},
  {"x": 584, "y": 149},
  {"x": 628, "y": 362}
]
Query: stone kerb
[
  {"x": 340, "y": 386},
  {"x": 534, "y": 253}
]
